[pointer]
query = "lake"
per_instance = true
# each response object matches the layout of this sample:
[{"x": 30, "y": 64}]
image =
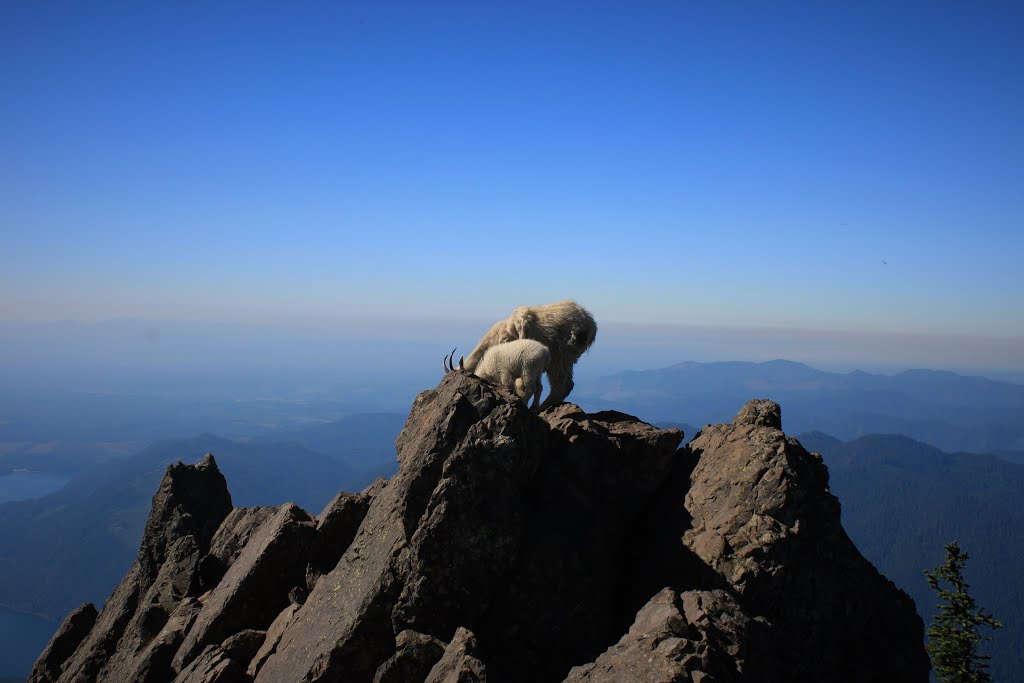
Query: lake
[{"x": 23, "y": 485}]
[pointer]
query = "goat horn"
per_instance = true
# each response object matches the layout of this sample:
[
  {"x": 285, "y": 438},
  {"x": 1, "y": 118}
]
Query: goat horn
[
  {"x": 462, "y": 368},
  {"x": 447, "y": 362}
]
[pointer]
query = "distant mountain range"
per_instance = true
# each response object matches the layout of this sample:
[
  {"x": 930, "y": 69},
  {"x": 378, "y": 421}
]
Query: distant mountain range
[
  {"x": 903, "y": 500},
  {"x": 364, "y": 441},
  {"x": 949, "y": 411}
]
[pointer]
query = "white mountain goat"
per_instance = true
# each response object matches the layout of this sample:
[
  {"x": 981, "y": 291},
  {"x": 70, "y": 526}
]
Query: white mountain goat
[
  {"x": 565, "y": 327},
  {"x": 518, "y": 365}
]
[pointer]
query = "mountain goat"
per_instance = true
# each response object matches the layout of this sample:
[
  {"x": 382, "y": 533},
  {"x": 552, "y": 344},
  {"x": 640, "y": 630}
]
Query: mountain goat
[
  {"x": 565, "y": 328},
  {"x": 518, "y": 365}
]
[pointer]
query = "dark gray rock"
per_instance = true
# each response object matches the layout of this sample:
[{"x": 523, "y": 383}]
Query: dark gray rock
[
  {"x": 336, "y": 526},
  {"x": 760, "y": 522},
  {"x": 189, "y": 505},
  {"x": 435, "y": 543},
  {"x": 244, "y": 645},
  {"x": 699, "y": 636},
  {"x": 460, "y": 662},
  {"x": 227, "y": 543},
  {"x": 255, "y": 588},
  {"x": 236, "y": 531},
  {"x": 559, "y": 606},
  {"x": 375, "y": 487},
  {"x": 176, "y": 579},
  {"x": 415, "y": 655},
  {"x": 152, "y": 663},
  {"x": 546, "y": 546},
  {"x": 272, "y": 639},
  {"x": 192, "y": 500},
  {"x": 65, "y": 641},
  {"x": 213, "y": 665},
  {"x": 759, "y": 412}
]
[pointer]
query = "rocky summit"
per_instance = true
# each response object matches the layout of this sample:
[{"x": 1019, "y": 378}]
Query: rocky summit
[{"x": 510, "y": 546}]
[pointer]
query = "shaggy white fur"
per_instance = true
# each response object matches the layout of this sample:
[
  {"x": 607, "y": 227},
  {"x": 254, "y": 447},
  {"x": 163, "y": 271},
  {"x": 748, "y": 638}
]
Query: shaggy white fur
[
  {"x": 518, "y": 365},
  {"x": 565, "y": 328}
]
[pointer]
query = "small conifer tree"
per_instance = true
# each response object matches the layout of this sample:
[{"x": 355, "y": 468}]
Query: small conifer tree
[{"x": 954, "y": 634}]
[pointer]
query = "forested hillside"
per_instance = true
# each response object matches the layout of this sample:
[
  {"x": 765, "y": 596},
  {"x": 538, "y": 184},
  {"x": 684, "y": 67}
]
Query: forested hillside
[{"x": 903, "y": 500}]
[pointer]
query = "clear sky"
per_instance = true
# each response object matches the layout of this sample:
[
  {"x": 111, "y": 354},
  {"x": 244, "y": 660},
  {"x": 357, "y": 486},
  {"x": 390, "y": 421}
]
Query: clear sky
[{"x": 805, "y": 166}]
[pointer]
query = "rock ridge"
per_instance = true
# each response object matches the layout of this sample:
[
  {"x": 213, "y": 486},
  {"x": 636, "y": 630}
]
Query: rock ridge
[{"x": 510, "y": 546}]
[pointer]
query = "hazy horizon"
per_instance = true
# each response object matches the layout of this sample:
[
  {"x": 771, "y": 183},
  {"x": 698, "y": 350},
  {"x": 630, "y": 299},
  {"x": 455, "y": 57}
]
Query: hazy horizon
[
  {"x": 805, "y": 177},
  {"x": 365, "y": 350}
]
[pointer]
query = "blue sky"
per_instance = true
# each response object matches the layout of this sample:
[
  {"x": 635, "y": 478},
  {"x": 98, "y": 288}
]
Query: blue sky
[{"x": 794, "y": 166}]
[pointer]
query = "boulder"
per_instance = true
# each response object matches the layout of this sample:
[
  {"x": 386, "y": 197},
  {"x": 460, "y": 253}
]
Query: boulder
[
  {"x": 459, "y": 663},
  {"x": 255, "y": 588}
]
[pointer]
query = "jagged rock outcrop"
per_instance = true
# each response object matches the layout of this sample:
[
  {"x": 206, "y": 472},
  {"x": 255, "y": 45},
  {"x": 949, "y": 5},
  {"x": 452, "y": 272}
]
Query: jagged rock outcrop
[
  {"x": 459, "y": 662},
  {"x": 763, "y": 521},
  {"x": 435, "y": 543},
  {"x": 256, "y": 586},
  {"x": 189, "y": 505},
  {"x": 65, "y": 641},
  {"x": 514, "y": 546},
  {"x": 234, "y": 534},
  {"x": 414, "y": 658},
  {"x": 272, "y": 639},
  {"x": 701, "y": 635},
  {"x": 336, "y": 526}
]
